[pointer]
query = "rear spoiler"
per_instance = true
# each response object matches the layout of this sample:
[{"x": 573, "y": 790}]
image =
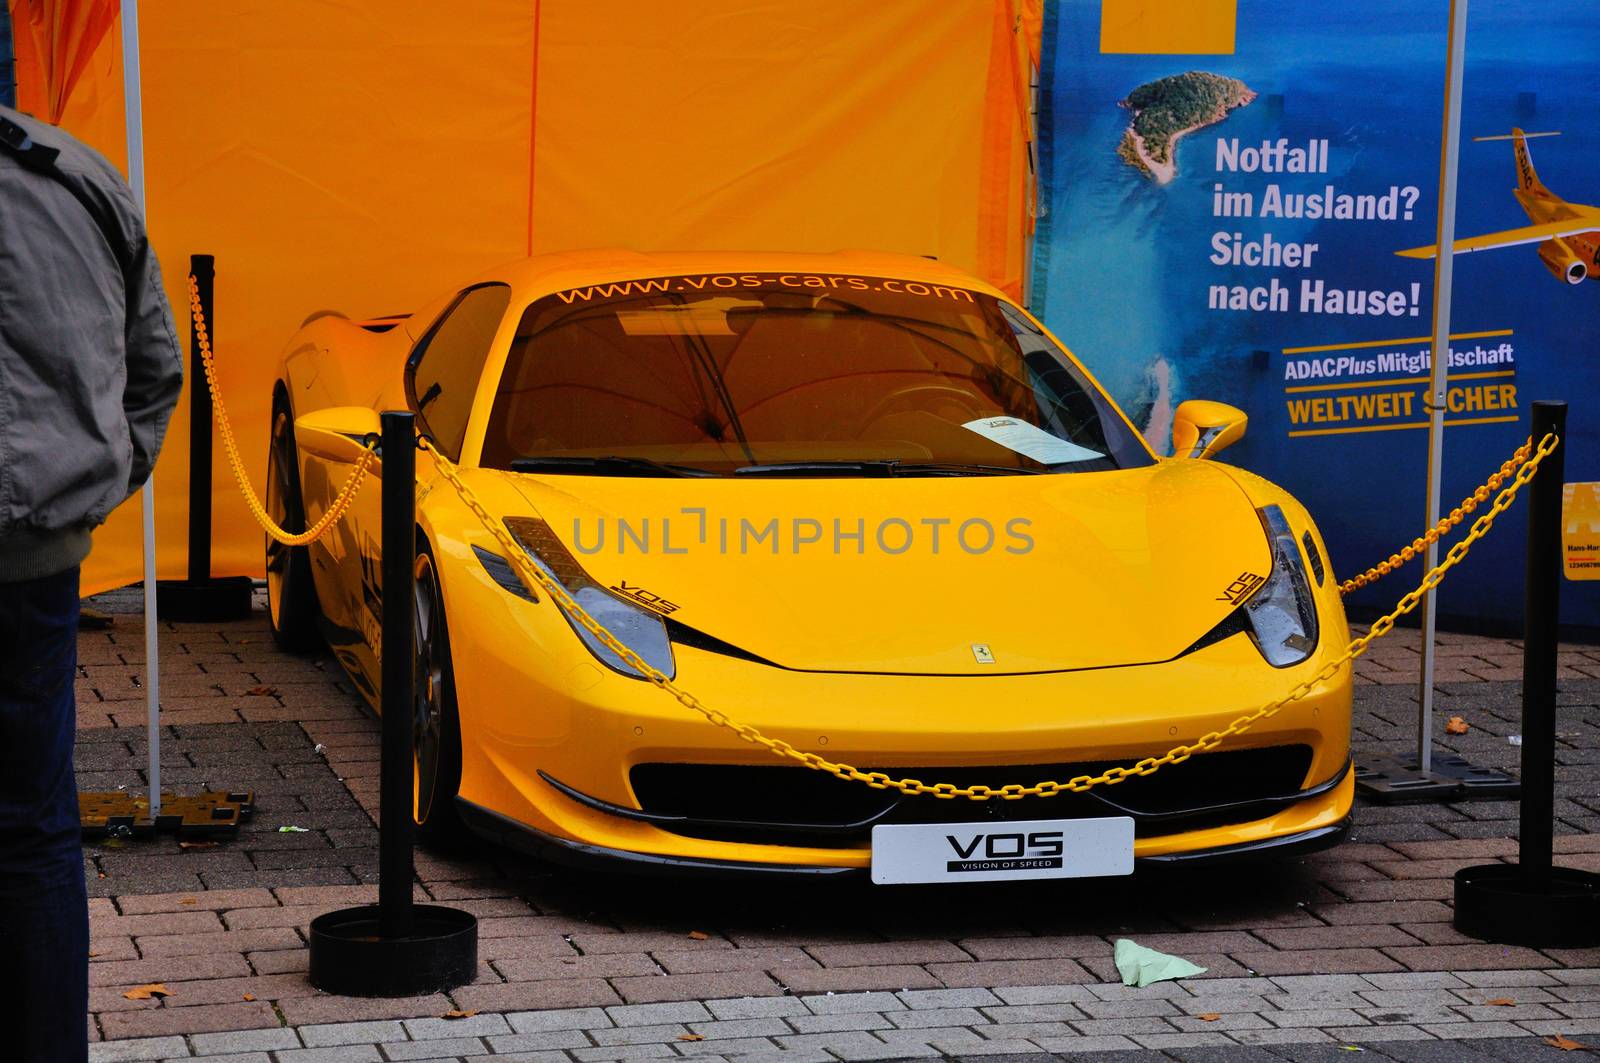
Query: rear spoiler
[
  {"x": 382, "y": 324},
  {"x": 371, "y": 324}
]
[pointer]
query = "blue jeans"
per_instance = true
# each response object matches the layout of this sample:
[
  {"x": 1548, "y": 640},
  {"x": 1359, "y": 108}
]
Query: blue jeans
[{"x": 44, "y": 913}]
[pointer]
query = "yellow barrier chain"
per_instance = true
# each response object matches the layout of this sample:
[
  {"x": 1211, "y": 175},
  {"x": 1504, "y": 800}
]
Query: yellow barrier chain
[
  {"x": 1433, "y": 534},
  {"x": 532, "y": 575},
  {"x": 225, "y": 429}
]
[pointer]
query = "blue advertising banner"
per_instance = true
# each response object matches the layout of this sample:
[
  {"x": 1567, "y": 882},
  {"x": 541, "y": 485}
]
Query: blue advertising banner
[
  {"x": 8, "y": 66},
  {"x": 1231, "y": 227}
]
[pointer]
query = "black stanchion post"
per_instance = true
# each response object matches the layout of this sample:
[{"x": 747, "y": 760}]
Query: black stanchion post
[
  {"x": 395, "y": 948},
  {"x": 1541, "y": 614},
  {"x": 199, "y": 597},
  {"x": 1532, "y": 902},
  {"x": 395, "y": 827},
  {"x": 204, "y": 269}
]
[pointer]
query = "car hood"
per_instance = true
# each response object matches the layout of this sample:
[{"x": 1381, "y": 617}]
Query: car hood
[{"x": 1086, "y": 570}]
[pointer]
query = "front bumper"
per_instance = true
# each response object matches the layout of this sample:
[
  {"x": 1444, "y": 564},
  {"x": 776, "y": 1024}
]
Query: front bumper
[{"x": 537, "y": 709}]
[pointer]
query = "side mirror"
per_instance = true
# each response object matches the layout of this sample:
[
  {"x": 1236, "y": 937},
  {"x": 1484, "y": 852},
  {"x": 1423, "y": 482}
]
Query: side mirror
[
  {"x": 337, "y": 433},
  {"x": 1201, "y": 429}
]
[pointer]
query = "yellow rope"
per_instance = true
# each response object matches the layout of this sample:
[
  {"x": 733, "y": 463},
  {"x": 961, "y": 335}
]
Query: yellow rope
[
  {"x": 533, "y": 577},
  {"x": 225, "y": 429}
]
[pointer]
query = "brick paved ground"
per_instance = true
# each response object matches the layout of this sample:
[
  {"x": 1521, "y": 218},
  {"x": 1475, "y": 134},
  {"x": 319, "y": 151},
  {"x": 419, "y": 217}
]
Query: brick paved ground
[
  {"x": 1351, "y": 947},
  {"x": 1320, "y": 1017}
]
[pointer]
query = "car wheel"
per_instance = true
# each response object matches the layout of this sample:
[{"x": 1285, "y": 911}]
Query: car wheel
[
  {"x": 436, "y": 726},
  {"x": 292, "y": 608}
]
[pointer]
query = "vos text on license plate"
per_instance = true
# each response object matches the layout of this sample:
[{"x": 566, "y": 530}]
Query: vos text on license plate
[{"x": 986, "y": 852}]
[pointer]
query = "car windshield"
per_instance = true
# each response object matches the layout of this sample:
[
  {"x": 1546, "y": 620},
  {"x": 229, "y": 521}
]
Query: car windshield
[{"x": 794, "y": 375}]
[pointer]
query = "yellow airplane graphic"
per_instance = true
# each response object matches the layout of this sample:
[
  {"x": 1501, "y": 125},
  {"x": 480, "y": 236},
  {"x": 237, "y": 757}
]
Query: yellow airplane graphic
[{"x": 1568, "y": 234}]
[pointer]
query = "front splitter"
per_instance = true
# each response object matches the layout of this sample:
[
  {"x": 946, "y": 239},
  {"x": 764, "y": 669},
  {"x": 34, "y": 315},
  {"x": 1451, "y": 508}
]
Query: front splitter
[{"x": 505, "y": 831}]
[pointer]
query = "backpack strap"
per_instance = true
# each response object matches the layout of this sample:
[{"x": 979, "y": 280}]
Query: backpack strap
[
  {"x": 41, "y": 159},
  {"x": 15, "y": 141}
]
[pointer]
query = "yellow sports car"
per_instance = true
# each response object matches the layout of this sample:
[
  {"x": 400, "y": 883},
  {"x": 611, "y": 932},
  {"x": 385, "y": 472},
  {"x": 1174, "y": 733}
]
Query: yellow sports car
[{"x": 860, "y": 502}]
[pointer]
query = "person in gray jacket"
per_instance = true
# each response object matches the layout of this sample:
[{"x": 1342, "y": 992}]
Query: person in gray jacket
[{"x": 90, "y": 370}]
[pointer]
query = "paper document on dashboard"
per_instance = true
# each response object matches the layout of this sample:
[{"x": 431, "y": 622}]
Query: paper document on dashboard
[{"x": 1030, "y": 441}]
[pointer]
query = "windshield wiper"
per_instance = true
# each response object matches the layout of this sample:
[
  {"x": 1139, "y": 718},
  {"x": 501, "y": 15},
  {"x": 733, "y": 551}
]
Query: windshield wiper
[
  {"x": 958, "y": 468},
  {"x": 877, "y": 467},
  {"x": 610, "y": 465},
  {"x": 883, "y": 467}
]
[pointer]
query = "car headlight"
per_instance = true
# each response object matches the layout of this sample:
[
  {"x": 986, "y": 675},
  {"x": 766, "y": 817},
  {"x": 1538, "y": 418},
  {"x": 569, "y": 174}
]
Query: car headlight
[
  {"x": 1282, "y": 613},
  {"x": 636, "y": 627}
]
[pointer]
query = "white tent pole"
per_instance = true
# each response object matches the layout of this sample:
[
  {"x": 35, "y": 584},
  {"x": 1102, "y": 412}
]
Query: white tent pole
[
  {"x": 134, "y": 108},
  {"x": 1439, "y": 371}
]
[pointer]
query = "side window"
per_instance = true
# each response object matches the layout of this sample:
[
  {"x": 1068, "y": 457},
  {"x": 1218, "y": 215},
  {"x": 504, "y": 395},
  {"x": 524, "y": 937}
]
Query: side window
[{"x": 443, "y": 371}]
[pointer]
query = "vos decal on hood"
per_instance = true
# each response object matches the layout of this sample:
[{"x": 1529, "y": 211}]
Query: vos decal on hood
[
  {"x": 1243, "y": 586},
  {"x": 648, "y": 599}
]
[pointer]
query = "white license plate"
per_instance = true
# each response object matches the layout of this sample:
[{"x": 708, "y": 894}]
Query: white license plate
[{"x": 986, "y": 852}]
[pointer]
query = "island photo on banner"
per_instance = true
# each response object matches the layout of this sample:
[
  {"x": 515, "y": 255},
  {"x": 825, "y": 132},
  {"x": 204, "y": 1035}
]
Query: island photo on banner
[{"x": 1231, "y": 227}]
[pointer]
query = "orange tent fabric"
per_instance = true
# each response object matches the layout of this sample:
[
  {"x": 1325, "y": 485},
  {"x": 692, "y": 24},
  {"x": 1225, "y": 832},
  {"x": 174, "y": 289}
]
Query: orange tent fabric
[
  {"x": 365, "y": 156},
  {"x": 53, "y": 41}
]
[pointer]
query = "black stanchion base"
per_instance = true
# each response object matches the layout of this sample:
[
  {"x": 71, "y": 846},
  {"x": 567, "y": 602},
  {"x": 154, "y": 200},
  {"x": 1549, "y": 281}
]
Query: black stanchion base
[
  {"x": 1392, "y": 780},
  {"x": 225, "y": 598},
  {"x": 350, "y": 959},
  {"x": 1495, "y": 902}
]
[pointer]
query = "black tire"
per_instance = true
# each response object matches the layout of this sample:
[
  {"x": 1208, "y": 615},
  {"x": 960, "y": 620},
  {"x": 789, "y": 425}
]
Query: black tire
[
  {"x": 292, "y": 607},
  {"x": 436, "y": 724}
]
